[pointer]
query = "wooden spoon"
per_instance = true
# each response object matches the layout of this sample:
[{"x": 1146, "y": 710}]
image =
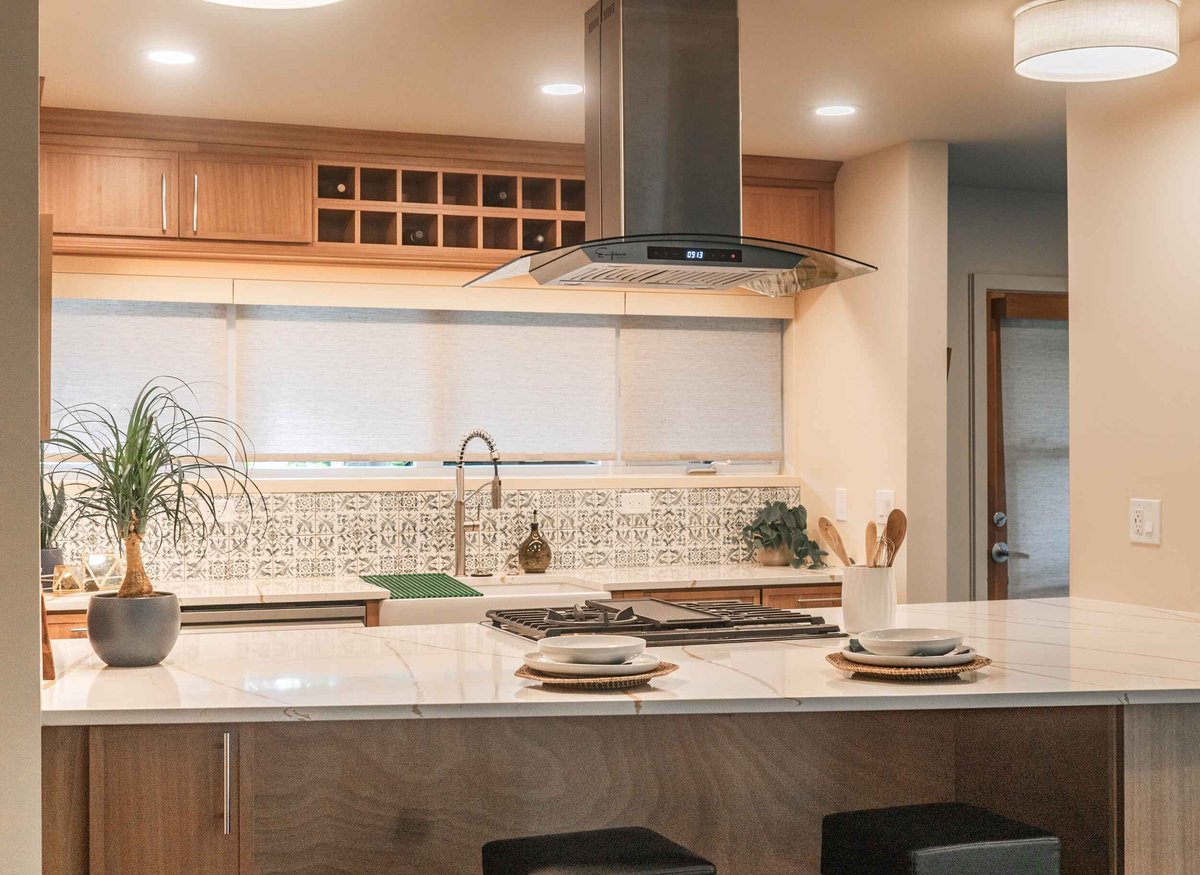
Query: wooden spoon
[
  {"x": 830, "y": 533},
  {"x": 872, "y": 543},
  {"x": 894, "y": 532}
]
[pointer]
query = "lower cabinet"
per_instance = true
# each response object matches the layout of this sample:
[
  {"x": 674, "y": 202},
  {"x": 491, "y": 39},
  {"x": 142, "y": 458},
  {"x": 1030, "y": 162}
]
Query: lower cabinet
[
  {"x": 163, "y": 799},
  {"x": 809, "y": 598},
  {"x": 72, "y": 624}
]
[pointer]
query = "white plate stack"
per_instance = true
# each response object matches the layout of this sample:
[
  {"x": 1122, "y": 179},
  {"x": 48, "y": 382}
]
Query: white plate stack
[{"x": 592, "y": 656}]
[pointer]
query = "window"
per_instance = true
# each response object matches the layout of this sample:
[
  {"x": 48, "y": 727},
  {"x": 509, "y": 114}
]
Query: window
[{"x": 376, "y": 392}]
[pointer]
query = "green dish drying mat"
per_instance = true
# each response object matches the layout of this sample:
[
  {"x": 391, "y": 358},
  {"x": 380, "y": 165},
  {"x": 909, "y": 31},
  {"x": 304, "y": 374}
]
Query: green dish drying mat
[{"x": 422, "y": 586}]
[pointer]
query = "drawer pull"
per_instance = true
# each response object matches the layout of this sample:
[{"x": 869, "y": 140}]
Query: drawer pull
[{"x": 164, "y": 203}]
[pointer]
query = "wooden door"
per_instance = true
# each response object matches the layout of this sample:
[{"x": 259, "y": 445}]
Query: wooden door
[
  {"x": 791, "y": 215},
  {"x": 163, "y": 799},
  {"x": 235, "y": 197},
  {"x": 1003, "y": 306},
  {"x": 96, "y": 190}
]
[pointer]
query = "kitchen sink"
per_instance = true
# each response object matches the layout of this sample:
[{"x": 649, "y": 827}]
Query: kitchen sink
[{"x": 545, "y": 591}]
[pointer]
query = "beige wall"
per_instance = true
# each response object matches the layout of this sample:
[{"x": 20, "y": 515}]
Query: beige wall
[
  {"x": 868, "y": 361},
  {"x": 1000, "y": 232},
  {"x": 20, "y": 744},
  {"x": 1133, "y": 152}
]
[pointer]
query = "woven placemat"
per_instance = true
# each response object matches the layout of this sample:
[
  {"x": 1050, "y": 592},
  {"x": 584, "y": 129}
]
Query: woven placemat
[
  {"x": 839, "y": 661},
  {"x": 587, "y": 684},
  {"x": 422, "y": 586}
]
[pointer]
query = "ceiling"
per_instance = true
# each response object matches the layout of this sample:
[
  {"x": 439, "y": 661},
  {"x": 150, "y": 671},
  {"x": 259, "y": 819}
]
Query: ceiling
[{"x": 920, "y": 69}]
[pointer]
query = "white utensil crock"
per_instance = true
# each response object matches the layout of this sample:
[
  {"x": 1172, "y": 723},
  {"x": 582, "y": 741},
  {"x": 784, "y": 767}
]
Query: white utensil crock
[{"x": 868, "y": 598}]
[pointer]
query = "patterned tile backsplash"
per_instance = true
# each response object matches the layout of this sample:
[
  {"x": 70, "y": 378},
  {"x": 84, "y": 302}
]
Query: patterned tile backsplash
[{"x": 327, "y": 534}]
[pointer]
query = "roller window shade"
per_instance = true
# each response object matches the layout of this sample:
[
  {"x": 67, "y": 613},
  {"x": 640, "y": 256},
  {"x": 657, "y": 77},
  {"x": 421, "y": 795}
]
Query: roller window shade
[
  {"x": 701, "y": 389},
  {"x": 345, "y": 383},
  {"x": 103, "y": 352}
]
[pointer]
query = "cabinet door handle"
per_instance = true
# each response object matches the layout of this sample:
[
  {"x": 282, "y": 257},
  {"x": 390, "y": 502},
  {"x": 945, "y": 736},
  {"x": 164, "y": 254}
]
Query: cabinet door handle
[
  {"x": 164, "y": 203},
  {"x": 228, "y": 789},
  {"x": 195, "y": 201},
  {"x": 828, "y": 600}
]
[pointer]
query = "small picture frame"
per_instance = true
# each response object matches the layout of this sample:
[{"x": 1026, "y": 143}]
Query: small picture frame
[{"x": 101, "y": 570}]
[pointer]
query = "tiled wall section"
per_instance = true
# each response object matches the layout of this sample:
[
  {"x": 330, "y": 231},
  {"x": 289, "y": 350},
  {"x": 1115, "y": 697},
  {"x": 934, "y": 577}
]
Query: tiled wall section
[{"x": 323, "y": 534}]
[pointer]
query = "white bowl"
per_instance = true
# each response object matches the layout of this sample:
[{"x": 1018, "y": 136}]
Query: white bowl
[
  {"x": 910, "y": 642},
  {"x": 592, "y": 649}
]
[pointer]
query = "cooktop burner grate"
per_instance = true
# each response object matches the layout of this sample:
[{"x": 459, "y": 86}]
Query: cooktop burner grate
[{"x": 662, "y": 623}]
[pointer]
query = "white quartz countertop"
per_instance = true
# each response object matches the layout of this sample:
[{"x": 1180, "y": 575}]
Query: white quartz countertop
[
  {"x": 312, "y": 589},
  {"x": 1046, "y": 652},
  {"x": 262, "y": 590}
]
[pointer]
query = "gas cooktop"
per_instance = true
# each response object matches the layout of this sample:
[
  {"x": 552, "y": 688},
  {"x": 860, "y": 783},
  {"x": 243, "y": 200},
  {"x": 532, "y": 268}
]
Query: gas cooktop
[{"x": 661, "y": 622}]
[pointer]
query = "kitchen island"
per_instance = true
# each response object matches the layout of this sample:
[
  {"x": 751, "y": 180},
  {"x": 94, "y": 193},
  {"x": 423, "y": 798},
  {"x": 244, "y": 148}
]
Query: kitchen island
[{"x": 356, "y": 749}]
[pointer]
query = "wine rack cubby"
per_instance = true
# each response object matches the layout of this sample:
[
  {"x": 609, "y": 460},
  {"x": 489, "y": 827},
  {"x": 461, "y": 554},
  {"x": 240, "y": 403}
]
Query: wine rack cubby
[{"x": 392, "y": 208}]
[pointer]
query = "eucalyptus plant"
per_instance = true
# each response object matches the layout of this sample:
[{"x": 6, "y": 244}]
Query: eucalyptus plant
[
  {"x": 162, "y": 465},
  {"x": 777, "y": 525}
]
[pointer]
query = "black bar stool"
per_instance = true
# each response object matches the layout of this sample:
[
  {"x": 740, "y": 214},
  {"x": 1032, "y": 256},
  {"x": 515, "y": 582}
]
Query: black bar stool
[
  {"x": 629, "y": 850},
  {"x": 944, "y": 838}
]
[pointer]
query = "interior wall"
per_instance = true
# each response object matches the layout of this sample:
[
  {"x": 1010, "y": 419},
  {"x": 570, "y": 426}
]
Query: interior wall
[
  {"x": 1135, "y": 310},
  {"x": 20, "y": 662},
  {"x": 868, "y": 361},
  {"x": 992, "y": 231}
]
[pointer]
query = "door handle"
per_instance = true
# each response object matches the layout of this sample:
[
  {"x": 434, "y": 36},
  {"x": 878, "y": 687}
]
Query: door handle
[
  {"x": 227, "y": 796},
  {"x": 1001, "y": 553},
  {"x": 195, "y": 201},
  {"x": 164, "y": 203}
]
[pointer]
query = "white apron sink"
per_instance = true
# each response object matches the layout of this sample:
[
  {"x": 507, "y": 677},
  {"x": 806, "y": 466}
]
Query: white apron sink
[{"x": 525, "y": 591}]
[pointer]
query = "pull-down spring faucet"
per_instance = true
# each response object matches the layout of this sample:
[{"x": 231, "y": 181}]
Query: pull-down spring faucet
[{"x": 461, "y": 526}]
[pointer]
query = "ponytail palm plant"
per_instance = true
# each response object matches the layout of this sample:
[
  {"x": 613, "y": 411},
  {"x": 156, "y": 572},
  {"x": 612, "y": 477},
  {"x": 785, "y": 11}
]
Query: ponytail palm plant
[{"x": 164, "y": 466}]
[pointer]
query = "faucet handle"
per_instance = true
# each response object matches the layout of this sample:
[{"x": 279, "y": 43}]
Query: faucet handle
[{"x": 471, "y": 527}]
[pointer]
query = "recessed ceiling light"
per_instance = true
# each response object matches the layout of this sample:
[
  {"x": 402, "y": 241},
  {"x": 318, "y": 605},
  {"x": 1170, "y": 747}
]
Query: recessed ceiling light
[
  {"x": 562, "y": 88},
  {"x": 835, "y": 109},
  {"x": 171, "y": 56},
  {"x": 1094, "y": 41},
  {"x": 275, "y": 4}
]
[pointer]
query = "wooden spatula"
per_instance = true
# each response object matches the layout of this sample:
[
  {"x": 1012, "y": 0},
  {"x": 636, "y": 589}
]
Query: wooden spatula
[
  {"x": 894, "y": 532},
  {"x": 834, "y": 540},
  {"x": 872, "y": 543}
]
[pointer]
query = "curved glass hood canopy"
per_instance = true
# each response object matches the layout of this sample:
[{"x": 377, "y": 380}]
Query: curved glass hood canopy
[
  {"x": 663, "y": 162},
  {"x": 710, "y": 262}
]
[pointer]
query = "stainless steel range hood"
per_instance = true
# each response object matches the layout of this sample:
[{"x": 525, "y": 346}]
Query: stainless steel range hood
[{"x": 663, "y": 150}]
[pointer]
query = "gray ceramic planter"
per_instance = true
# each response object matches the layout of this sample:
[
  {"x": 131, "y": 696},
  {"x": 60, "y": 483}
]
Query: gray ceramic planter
[
  {"x": 51, "y": 557},
  {"x": 133, "y": 632}
]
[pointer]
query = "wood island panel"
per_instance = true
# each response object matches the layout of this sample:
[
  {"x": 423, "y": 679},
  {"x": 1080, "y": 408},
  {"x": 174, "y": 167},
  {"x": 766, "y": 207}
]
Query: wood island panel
[
  {"x": 1162, "y": 789},
  {"x": 746, "y": 791}
]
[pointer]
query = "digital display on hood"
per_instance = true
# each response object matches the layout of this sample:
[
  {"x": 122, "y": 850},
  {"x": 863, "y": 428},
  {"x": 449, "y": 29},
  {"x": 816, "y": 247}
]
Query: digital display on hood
[{"x": 680, "y": 253}]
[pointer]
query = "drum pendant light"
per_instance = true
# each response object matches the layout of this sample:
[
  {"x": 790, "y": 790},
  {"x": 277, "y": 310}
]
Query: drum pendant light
[{"x": 1095, "y": 40}]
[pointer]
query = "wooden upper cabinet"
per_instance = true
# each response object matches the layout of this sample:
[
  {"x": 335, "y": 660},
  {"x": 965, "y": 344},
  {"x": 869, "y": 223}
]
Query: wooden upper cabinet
[
  {"x": 790, "y": 215},
  {"x": 237, "y": 197},
  {"x": 103, "y": 191}
]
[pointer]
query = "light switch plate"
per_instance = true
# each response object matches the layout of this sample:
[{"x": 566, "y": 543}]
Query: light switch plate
[
  {"x": 885, "y": 503},
  {"x": 1145, "y": 521},
  {"x": 840, "y": 511},
  {"x": 634, "y": 502}
]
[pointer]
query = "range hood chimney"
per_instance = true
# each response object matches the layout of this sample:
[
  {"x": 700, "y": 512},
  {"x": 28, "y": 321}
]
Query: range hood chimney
[{"x": 663, "y": 148}]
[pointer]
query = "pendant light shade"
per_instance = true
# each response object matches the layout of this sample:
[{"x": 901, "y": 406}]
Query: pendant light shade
[{"x": 1095, "y": 40}]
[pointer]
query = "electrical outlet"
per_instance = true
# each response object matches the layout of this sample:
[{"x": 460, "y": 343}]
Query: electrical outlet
[
  {"x": 885, "y": 503},
  {"x": 840, "y": 512},
  {"x": 1145, "y": 521},
  {"x": 634, "y": 503}
]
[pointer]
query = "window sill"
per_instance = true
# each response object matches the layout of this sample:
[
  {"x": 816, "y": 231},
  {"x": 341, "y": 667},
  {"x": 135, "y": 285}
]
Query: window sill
[{"x": 274, "y": 485}]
